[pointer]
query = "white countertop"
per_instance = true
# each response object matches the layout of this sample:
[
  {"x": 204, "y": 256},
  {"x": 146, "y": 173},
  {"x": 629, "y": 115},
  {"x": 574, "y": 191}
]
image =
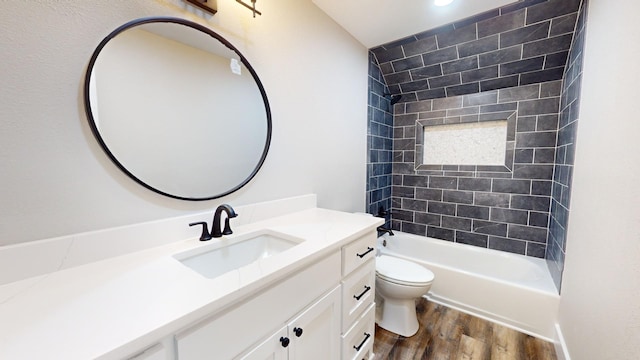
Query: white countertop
[{"x": 115, "y": 307}]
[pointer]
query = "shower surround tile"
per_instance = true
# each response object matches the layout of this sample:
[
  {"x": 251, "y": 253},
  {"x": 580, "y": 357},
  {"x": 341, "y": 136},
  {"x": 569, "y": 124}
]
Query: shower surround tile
[
  {"x": 518, "y": 44},
  {"x": 379, "y": 142},
  {"x": 565, "y": 150},
  {"x": 522, "y": 59},
  {"x": 502, "y": 207}
]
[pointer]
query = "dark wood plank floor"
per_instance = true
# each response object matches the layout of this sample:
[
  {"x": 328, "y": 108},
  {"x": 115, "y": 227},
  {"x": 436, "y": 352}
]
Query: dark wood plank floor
[{"x": 447, "y": 334}]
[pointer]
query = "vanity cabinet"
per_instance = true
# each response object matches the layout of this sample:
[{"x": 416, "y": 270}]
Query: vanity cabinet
[
  {"x": 232, "y": 331},
  {"x": 314, "y": 334},
  {"x": 324, "y": 311}
]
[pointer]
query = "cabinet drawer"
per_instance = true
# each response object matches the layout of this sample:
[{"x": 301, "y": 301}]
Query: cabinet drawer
[
  {"x": 358, "y": 291},
  {"x": 366, "y": 353},
  {"x": 359, "y": 340},
  {"x": 358, "y": 252}
]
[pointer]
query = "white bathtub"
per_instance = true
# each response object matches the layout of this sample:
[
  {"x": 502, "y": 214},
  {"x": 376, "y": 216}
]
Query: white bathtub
[{"x": 513, "y": 290}]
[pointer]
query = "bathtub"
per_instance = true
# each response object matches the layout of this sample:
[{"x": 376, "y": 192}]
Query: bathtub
[{"x": 509, "y": 289}]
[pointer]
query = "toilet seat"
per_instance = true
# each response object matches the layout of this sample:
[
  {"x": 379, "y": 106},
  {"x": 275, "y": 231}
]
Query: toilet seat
[{"x": 402, "y": 272}]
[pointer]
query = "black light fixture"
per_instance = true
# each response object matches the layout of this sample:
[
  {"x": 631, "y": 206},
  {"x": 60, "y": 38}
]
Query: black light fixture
[
  {"x": 211, "y": 6},
  {"x": 251, "y": 7}
]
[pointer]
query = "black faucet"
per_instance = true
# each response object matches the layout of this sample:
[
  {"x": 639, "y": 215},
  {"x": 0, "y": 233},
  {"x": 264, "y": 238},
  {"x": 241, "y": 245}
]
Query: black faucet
[
  {"x": 383, "y": 214},
  {"x": 384, "y": 229},
  {"x": 215, "y": 227}
]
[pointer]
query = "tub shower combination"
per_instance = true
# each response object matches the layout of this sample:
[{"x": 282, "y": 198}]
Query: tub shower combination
[{"x": 510, "y": 289}]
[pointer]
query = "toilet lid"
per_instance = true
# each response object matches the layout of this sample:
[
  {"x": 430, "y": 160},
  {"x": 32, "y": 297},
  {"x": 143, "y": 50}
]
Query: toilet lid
[{"x": 402, "y": 271}]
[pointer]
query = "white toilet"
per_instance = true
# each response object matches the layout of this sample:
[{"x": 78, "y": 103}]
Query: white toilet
[{"x": 399, "y": 283}]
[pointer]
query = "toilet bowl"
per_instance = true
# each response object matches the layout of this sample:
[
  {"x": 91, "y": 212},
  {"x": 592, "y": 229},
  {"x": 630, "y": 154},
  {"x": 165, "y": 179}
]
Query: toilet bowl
[{"x": 399, "y": 283}]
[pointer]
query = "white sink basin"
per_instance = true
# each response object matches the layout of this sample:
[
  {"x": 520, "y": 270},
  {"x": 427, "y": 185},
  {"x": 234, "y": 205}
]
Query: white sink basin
[{"x": 242, "y": 251}]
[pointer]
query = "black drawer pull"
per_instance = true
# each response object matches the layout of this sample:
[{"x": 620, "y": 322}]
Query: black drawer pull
[
  {"x": 366, "y": 337},
  {"x": 369, "y": 249},
  {"x": 366, "y": 288}
]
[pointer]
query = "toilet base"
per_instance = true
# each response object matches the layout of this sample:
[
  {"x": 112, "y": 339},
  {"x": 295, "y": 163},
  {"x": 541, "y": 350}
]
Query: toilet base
[{"x": 398, "y": 316}]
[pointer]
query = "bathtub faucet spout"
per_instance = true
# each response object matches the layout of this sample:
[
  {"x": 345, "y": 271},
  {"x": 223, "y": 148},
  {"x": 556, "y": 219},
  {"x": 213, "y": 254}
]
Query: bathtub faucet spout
[{"x": 384, "y": 229}]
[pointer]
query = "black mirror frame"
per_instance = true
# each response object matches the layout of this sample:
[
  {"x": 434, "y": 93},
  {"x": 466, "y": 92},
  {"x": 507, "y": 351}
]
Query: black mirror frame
[{"x": 196, "y": 26}]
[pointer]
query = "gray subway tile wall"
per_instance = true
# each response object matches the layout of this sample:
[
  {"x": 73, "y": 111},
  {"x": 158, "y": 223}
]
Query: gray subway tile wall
[
  {"x": 486, "y": 206},
  {"x": 379, "y": 142},
  {"x": 520, "y": 62},
  {"x": 565, "y": 150},
  {"x": 519, "y": 44}
]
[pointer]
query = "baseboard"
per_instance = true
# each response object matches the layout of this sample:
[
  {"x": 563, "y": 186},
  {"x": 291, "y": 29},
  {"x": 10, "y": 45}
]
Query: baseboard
[{"x": 562, "y": 352}]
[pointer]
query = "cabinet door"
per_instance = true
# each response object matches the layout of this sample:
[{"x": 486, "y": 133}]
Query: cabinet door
[
  {"x": 273, "y": 348},
  {"x": 315, "y": 334}
]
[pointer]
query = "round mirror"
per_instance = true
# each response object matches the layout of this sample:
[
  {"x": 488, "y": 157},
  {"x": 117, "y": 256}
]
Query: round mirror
[{"x": 177, "y": 108}]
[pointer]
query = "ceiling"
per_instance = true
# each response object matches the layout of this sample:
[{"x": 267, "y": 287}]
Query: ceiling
[{"x": 376, "y": 22}]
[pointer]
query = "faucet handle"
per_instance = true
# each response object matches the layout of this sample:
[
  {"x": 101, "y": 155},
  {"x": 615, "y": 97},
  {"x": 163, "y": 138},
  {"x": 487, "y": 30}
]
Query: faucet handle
[{"x": 205, "y": 230}]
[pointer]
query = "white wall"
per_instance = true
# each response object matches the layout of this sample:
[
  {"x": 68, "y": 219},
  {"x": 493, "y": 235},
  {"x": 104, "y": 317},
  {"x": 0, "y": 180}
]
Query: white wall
[
  {"x": 55, "y": 180},
  {"x": 600, "y": 300}
]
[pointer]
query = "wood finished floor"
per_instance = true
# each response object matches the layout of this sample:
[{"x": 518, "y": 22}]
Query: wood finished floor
[{"x": 447, "y": 334}]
